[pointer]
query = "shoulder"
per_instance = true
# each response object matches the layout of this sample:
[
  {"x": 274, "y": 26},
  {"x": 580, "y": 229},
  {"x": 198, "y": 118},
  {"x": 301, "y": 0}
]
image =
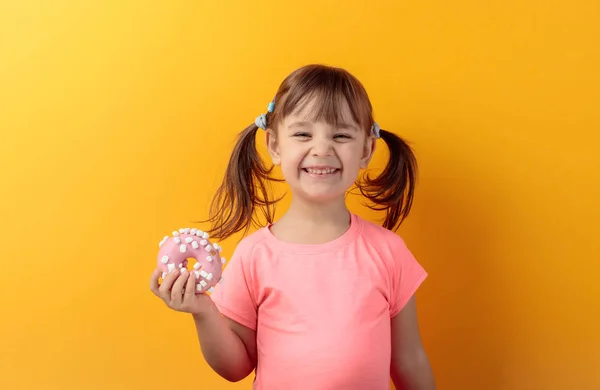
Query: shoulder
[
  {"x": 248, "y": 243},
  {"x": 386, "y": 242},
  {"x": 390, "y": 247},
  {"x": 249, "y": 248}
]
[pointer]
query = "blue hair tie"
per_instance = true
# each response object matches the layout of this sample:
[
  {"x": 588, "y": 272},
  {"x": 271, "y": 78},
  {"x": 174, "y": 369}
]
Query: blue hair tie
[
  {"x": 261, "y": 120},
  {"x": 376, "y": 130}
]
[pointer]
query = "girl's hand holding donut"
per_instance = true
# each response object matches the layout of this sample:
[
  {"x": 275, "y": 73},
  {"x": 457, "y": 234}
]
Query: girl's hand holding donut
[
  {"x": 182, "y": 289},
  {"x": 177, "y": 290}
]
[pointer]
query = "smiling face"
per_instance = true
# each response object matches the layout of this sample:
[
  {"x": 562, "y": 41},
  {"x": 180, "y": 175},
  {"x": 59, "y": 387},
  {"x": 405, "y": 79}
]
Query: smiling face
[{"x": 320, "y": 161}]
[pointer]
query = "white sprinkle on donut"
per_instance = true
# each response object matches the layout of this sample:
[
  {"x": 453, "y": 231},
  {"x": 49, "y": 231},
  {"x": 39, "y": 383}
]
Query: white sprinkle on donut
[
  {"x": 197, "y": 265},
  {"x": 205, "y": 236},
  {"x": 209, "y": 248},
  {"x": 203, "y": 283},
  {"x": 209, "y": 258},
  {"x": 209, "y": 277},
  {"x": 193, "y": 231},
  {"x": 170, "y": 267},
  {"x": 198, "y": 287},
  {"x": 175, "y": 233},
  {"x": 165, "y": 259},
  {"x": 195, "y": 245},
  {"x": 211, "y": 289},
  {"x": 182, "y": 248},
  {"x": 177, "y": 240},
  {"x": 203, "y": 242},
  {"x": 203, "y": 273},
  {"x": 199, "y": 233},
  {"x": 165, "y": 238},
  {"x": 189, "y": 239},
  {"x": 186, "y": 230}
]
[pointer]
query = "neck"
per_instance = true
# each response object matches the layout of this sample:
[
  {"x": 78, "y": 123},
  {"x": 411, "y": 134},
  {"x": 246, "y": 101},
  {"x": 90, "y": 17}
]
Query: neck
[{"x": 321, "y": 214}]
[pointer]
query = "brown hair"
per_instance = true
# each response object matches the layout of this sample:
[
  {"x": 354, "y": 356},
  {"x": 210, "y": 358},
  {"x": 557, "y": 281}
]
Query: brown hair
[{"x": 246, "y": 185}]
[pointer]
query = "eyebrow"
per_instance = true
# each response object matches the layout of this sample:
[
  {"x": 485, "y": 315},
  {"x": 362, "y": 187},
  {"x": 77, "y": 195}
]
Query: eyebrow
[
  {"x": 348, "y": 126},
  {"x": 299, "y": 124},
  {"x": 341, "y": 125}
]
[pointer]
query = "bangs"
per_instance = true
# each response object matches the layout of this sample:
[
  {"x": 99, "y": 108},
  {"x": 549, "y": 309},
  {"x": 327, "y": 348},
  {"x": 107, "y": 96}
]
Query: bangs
[{"x": 331, "y": 95}]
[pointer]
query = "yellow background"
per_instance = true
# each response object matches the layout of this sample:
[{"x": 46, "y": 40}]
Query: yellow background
[{"x": 117, "y": 117}]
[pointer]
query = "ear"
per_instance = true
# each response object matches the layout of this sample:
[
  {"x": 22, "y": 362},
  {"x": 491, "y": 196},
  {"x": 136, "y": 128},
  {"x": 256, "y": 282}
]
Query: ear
[
  {"x": 272, "y": 146},
  {"x": 368, "y": 152}
]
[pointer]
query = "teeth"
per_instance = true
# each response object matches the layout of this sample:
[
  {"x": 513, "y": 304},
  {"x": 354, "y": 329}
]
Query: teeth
[{"x": 320, "y": 171}]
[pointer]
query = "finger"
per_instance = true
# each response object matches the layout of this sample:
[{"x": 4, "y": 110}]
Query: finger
[
  {"x": 190, "y": 288},
  {"x": 167, "y": 284},
  {"x": 154, "y": 281},
  {"x": 176, "y": 291}
]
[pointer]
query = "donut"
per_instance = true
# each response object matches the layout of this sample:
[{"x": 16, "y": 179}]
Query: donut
[{"x": 183, "y": 244}]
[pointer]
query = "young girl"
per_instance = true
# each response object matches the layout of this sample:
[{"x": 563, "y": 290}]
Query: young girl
[{"x": 320, "y": 299}]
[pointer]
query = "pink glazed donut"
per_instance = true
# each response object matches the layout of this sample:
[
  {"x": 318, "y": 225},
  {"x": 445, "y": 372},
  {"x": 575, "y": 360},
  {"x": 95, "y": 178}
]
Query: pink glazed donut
[{"x": 189, "y": 243}]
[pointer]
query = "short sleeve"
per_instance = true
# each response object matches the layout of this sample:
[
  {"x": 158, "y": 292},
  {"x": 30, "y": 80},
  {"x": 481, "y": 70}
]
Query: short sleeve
[
  {"x": 233, "y": 295},
  {"x": 407, "y": 276}
]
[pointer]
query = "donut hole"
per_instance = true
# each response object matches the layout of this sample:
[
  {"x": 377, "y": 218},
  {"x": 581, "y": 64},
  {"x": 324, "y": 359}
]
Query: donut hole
[{"x": 189, "y": 263}]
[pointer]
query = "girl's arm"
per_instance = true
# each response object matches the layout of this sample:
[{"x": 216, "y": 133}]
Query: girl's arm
[
  {"x": 410, "y": 368},
  {"x": 228, "y": 347}
]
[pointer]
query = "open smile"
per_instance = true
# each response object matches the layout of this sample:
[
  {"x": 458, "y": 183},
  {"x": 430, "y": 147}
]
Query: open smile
[{"x": 321, "y": 172}]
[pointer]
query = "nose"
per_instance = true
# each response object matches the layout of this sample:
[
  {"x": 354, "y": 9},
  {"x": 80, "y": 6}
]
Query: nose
[{"x": 322, "y": 147}]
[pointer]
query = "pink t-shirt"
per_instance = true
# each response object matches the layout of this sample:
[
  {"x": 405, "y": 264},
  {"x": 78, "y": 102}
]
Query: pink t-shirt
[{"x": 321, "y": 312}]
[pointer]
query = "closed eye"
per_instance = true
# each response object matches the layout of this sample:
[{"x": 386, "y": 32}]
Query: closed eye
[
  {"x": 302, "y": 134},
  {"x": 343, "y": 136}
]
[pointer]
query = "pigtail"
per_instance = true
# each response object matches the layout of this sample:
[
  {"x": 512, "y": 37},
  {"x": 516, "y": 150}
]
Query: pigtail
[
  {"x": 394, "y": 188},
  {"x": 245, "y": 187}
]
